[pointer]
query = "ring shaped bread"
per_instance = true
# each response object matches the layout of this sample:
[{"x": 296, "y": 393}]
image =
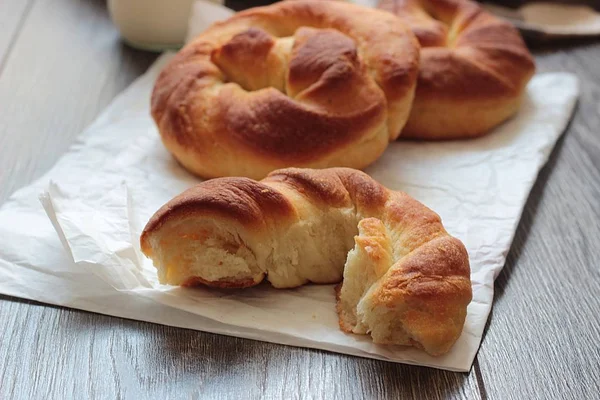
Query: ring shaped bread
[
  {"x": 301, "y": 83},
  {"x": 473, "y": 70},
  {"x": 405, "y": 279}
]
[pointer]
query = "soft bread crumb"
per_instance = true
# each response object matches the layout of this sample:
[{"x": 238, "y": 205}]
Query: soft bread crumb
[
  {"x": 205, "y": 250},
  {"x": 366, "y": 263}
]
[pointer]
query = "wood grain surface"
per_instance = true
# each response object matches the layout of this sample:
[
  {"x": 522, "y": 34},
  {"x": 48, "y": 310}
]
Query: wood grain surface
[
  {"x": 65, "y": 65},
  {"x": 543, "y": 337},
  {"x": 61, "y": 63}
]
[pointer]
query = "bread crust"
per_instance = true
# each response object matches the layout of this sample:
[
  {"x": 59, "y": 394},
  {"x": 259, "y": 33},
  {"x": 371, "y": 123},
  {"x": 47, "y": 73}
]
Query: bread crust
[
  {"x": 473, "y": 69},
  {"x": 303, "y": 83}
]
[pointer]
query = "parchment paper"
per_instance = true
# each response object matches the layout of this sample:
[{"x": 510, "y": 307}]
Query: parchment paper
[{"x": 81, "y": 249}]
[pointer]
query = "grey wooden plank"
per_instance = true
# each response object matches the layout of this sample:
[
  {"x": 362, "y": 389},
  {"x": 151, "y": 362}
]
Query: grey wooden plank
[
  {"x": 542, "y": 341},
  {"x": 12, "y": 15},
  {"x": 58, "y": 353},
  {"x": 65, "y": 66}
]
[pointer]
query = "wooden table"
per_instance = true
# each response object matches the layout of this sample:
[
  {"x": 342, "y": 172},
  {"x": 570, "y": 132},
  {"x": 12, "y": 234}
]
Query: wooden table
[{"x": 61, "y": 63}]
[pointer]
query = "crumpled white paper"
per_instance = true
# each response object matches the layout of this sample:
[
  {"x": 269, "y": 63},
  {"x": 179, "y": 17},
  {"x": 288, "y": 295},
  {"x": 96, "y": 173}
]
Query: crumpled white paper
[{"x": 83, "y": 251}]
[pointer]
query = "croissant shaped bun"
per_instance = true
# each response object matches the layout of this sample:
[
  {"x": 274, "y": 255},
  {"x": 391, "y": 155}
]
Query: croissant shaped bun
[{"x": 404, "y": 279}]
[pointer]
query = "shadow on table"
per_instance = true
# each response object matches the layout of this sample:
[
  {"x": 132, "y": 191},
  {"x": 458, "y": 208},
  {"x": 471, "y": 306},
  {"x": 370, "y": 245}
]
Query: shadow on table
[
  {"x": 527, "y": 220},
  {"x": 167, "y": 361},
  {"x": 285, "y": 371}
]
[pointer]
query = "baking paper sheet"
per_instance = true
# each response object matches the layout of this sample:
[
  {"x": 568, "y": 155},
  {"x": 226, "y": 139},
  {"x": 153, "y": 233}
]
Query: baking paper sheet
[{"x": 72, "y": 237}]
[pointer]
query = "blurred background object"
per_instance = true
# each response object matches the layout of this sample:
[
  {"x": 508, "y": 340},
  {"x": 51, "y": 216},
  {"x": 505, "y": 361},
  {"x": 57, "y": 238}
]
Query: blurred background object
[
  {"x": 153, "y": 25},
  {"x": 158, "y": 25},
  {"x": 549, "y": 19}
]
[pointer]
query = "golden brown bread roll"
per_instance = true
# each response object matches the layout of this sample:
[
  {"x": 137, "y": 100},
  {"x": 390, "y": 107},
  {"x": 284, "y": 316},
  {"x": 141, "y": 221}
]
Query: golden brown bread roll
[
  {"x": 473, "y": 69},
  {"x": 303, "y": 83},
  {"x": 405, "y": 279}
]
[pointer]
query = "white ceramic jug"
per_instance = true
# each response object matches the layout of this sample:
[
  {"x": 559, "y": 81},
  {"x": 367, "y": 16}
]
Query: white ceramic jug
[{"x": 154, "y": 25}]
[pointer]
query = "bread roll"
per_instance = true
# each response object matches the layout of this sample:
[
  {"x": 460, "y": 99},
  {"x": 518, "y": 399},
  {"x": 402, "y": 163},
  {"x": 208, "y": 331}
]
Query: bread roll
[
  {"x": 304, "y": 83},
  {"x": 473, "y": 69},
  {"x": 405, "y": 280}
]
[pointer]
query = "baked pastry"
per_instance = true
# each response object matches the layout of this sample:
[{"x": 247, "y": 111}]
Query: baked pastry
[
  {"x": 302, "y": 83},
  {"x": 473, "y": 69},
  {"x": 405, "y": 279}
]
